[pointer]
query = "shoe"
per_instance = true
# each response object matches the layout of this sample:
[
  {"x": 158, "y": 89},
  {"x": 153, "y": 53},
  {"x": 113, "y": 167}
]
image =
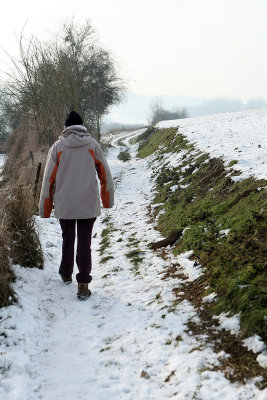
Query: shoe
[
  {"x": 83, "y": 291},
  {"x": 66, "y": 279}
]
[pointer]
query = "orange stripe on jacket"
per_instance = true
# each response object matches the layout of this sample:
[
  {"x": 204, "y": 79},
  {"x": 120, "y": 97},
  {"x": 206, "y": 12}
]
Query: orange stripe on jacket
[
  {"x": 48, "y": 203},
  {"x": 101, "y": 172}
]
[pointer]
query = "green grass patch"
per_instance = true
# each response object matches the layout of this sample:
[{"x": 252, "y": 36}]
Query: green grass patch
[
  {"x": 162, "y": 141},
  {"x": 132, "y": 241},
  {"x": 232, "y": 163},
  {"x": 135, "y": 256},
  {"x": 205, "y": 202},
  {"x": 143, "y": 138},
  {"x": 103, "y": 260},
  {"x": 106, "y": 220},
  {"x": 121, "y": 143},
  {"x": 105, "y": 236}
]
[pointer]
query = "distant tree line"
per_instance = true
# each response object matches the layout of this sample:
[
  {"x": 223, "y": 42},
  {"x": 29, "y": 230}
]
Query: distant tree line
[
  {"x": 114, "y": 127},
  {"x": 71, "y": 71},
  {"x": 159, "y": 113},
  {"x": 225, "y": 104}
]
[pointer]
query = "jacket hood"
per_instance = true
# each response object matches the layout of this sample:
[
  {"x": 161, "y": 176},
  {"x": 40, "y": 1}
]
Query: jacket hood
[{"x": 75, "y": 136}]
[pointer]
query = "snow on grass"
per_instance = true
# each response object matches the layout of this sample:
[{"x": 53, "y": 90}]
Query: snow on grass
[
  {"x": 126, "y": 342},
  {"x": 262, "y": 359},
  {"x": 190, "y": 268},
  {"x": 209, "y": 298},
  {"x": 231, "y": 324},
  {"x": 238, "y": 135},
  {"x": 174, "y": 188},
  {"x": 255, "y": 343},
  {"x": 225, "y": 232}
]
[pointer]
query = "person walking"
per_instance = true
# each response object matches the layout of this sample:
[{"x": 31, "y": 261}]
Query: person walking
[{"x": 70, "y": 178}]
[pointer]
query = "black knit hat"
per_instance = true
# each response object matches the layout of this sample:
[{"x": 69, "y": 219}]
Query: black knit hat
[{"x": 73, "y": 118}]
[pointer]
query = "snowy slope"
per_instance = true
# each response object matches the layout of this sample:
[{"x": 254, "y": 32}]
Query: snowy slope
[
  {"x": 238, "y": 135},
  {"x": 126, "y": 342}
]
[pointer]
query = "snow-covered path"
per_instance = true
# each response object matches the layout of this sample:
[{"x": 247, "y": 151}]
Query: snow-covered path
[{"x": 126, "y": 342}]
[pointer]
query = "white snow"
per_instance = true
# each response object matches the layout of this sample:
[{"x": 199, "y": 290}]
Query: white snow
[
  {"x": 224, "y": 232},
  {"x": 174, "y": 188},
  {"x": 255, "y": 343},
  {"x": 55, "y": 347},
  {"x": 231, "y": 324},
  {"x": 190, "y": 268},
  {"x": 238, "y": 135},
  {"x": 209, "y": 298},
  {"x": 262, "y": 359},
  {"x": 184, "y": 186}
]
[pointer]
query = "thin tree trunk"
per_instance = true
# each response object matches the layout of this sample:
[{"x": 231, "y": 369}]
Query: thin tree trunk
[
  {"x": 37, "y": 180},
  {"x": 98, "y": 134}
]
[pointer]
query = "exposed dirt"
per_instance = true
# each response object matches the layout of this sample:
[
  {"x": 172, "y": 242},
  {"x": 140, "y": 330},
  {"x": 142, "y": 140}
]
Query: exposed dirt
[{"x": 240, "y": 364}]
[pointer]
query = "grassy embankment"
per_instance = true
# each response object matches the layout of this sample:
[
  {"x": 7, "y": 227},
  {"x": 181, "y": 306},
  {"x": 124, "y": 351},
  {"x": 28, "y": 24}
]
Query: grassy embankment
[{"x": 210, "y": 202}]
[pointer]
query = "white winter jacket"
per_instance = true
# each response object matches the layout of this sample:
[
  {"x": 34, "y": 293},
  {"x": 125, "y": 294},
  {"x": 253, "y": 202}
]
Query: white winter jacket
[{"x": 70, "y": 175}]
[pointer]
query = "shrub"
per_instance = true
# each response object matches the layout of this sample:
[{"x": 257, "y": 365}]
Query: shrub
[{"x": 124, "y": 155}]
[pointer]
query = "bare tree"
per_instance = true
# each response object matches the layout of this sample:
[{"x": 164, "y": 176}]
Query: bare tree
[
  {"x": 71, "y": 71},
  {"x": 4, "y": 128},
  {"x": 155, "y": 109},
  {"x": 158, "y": 112}
]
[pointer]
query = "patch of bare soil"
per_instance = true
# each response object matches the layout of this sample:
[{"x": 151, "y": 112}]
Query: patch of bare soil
[{"x": 239, "y": 364}]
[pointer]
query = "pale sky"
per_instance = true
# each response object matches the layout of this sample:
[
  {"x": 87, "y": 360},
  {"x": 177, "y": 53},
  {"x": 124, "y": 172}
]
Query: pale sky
[{"x": 200, "y": 48}]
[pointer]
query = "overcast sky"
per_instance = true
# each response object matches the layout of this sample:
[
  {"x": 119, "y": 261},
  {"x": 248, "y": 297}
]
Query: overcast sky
[{"x": 200, "y": 48}]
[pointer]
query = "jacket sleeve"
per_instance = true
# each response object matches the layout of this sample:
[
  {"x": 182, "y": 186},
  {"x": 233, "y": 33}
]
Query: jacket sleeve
[
  {"x": 50, "y": 172},
  {"x": 104, "y": 175}
]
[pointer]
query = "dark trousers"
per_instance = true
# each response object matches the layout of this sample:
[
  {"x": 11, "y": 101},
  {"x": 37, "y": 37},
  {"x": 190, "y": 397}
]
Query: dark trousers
[{"x": 83, "y": 257}]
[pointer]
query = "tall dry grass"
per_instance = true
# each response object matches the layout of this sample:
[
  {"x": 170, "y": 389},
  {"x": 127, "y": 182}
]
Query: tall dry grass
[
  {"x": 24, "y": 154},
  {"x": 6, "y": 273},
  {"x": 19, "y": 240},
  {"x": 19, "y": 227}
]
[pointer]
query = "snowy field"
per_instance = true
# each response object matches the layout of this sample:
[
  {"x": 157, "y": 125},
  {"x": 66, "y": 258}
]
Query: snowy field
[
  {"x": 126, "y": 342},
  {"x": 238, "y": 135}
]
